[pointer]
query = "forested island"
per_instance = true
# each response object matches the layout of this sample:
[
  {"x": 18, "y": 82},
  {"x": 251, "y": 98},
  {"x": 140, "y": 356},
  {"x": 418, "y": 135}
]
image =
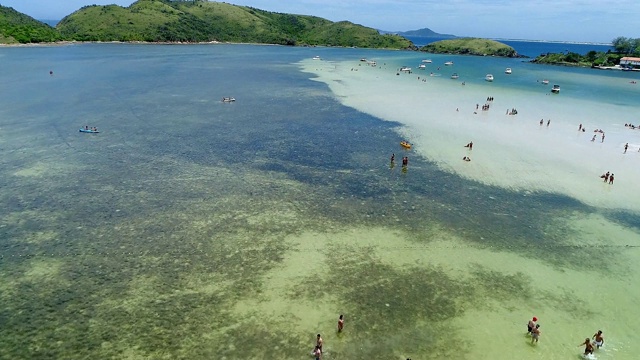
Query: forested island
[
  {"x": 193, "y": 22},
  {"x": 622, "y": 47},
  {"x": 470, "y": 46}
]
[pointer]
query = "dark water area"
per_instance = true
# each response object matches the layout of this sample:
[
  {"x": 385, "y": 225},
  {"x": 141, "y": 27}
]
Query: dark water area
[{"x": 531, "y": 48}]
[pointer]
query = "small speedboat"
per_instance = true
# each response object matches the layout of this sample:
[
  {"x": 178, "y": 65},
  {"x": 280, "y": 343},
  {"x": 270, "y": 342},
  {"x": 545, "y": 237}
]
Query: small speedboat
[
  {"x": 489, "y": 77},
  {"x": 405, "y": 144},
  {"x": 449, "y": 63},
  {"x": 455, "y": 76},
  {"x": 555, "y": 89},
  {"x": 228, "y": 99},
  {"x": 422, "y": 66},
  {"x": 316, "y": 58},
  {"x": 427, "y": 61},
  {"x": 89, "y": 131},
  {"x": 545, "y": 82},
  {"x": 405, "y": 69},
  {"x": 507, "y": 71}
]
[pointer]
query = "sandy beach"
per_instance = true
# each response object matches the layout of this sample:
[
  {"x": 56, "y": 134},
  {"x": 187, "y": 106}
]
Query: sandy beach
[{"x": 510, "y": 151}]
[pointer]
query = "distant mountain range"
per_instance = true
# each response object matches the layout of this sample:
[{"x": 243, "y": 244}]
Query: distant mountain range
[{"x": 424, "y": 33}]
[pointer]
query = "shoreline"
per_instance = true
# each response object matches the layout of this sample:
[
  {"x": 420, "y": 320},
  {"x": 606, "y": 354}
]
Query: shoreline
[{"x": 555, "y": 159}]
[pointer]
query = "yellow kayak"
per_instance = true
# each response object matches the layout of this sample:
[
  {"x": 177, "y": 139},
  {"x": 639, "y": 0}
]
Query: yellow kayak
[{"x": 405, "y": 144}]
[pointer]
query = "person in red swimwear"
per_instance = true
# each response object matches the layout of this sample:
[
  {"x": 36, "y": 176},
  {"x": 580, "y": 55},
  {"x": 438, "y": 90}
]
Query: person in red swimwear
[{"x": 340, "y": 323}]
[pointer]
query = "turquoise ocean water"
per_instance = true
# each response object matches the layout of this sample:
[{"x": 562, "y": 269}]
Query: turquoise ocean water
[{"x": 192, "y": 228}]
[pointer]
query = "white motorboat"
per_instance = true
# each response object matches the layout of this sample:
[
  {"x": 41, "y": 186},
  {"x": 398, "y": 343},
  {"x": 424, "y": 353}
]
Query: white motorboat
[
  {"x": 489, "y": 77},
  {"x": 545, "y": 82},
  {"x": 507, "y": 71},
  {"x": 316, "y": 58},
  {"x": 454, "y": 76},
  {"x": 555, "y": 89},
  {"x": 449, "y": 63},
  {"x": 405, "y": 69},
  {"x": 422, "y": 66},
  {"x": 228, "y": 99},
  {"x": 427, "y": 61}
]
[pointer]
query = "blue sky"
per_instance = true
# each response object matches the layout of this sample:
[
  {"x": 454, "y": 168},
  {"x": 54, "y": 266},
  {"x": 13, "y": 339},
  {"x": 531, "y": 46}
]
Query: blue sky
[{"x": 559, "y": 20}]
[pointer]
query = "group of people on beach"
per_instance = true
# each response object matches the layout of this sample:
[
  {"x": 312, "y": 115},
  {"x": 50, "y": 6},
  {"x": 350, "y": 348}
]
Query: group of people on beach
[
  {"x": 533, "y": 329},
  {"x": 470, "y": 147},
  {"x": 607, "y": 177}
]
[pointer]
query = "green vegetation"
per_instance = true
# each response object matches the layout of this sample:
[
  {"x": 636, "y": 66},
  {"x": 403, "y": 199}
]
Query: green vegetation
[
  {"x": 627, "y": 46},
  {"x": 592, "y": 58},
  {"x": 202, "y": 21},
  {"x": 16, "y": 27},
  {"x": 623, "y": 47},
  {"x": 470, "y": 46}
]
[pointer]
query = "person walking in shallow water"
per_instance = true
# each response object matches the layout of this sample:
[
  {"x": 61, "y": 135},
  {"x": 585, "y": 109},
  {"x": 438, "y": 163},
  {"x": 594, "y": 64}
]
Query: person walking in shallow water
[
  {"x": 340, "y": 323},
  {"x": 611, "y": 179},
  {"x": 588, "y": 347},
  {"x": 626, "y": 146},
  {"x": 531, "y": 325},
  {"x": 598, "y": 339},
  {"x": 535, "y": 334}
]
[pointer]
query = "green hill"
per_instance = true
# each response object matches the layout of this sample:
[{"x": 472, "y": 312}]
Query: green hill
[
  {"x": 18, "y": 28},
  {"x": 204, "y": 21},
  {"x": 470, "y": 46}
]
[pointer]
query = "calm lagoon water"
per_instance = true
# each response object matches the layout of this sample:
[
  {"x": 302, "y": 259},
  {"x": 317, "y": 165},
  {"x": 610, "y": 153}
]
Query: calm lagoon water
[{"x": 191, "y": 228}]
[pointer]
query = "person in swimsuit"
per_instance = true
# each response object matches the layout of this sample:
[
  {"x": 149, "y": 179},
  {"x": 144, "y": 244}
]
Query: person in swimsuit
[
  {"x": 531, "y": 325},
  {"x": 319, "y": 343},
  {"x": 598, "y": 339},
  {"x": 588, "y": 348},
  {"x": 535, "y": 334},
  {"x": 340, "y": 323}
]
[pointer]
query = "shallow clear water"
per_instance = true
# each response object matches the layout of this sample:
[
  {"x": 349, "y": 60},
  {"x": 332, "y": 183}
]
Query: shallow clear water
[{"x": 191, "y": 228}]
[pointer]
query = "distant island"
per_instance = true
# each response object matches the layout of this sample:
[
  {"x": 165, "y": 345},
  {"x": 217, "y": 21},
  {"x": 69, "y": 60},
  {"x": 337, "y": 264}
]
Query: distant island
[
  {"x": 471, "y": 46},
  {"x": 193, "y": 21},
  {"x": 425, "y": 33}
]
